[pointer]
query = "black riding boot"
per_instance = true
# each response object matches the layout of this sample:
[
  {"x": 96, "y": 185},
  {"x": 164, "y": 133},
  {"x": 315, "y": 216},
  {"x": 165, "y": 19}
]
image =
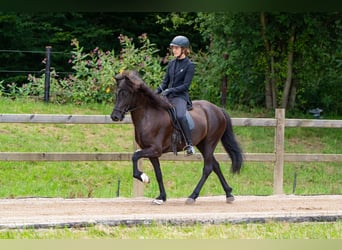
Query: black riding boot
[{"x": 187, "y": 134}]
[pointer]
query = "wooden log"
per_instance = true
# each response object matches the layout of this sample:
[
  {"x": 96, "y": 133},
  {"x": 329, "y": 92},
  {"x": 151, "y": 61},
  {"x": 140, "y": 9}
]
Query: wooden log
[
  {"x": 65, "y": 156},
  {"x": 66, "y": 119},
  {"x": 279, "y": 152},
  {"x": 127, "y": 156},
  {"x": 258, "y": 122},
  {"x": 313, "y": 123},
  {"x": 289, "y": 157}
]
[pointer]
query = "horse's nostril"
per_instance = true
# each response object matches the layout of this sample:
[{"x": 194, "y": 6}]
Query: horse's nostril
[
  {"x": 116, "y": 118},
  {"x": 113, "y": 118}
]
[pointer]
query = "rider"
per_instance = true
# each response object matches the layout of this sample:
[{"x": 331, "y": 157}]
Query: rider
[{"x": 176, "y": 84}]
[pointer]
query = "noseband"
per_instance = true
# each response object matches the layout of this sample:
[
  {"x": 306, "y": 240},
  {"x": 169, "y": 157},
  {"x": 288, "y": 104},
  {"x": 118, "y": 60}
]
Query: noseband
[{"x": 123, "y": 112}]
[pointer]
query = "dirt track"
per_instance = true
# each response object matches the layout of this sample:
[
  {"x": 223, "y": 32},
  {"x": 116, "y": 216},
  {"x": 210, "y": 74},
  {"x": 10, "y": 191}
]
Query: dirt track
[{"x": 56, "y": 212}]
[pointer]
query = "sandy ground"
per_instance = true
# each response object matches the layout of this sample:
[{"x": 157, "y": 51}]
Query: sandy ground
[{"x": 58, "y": 212}]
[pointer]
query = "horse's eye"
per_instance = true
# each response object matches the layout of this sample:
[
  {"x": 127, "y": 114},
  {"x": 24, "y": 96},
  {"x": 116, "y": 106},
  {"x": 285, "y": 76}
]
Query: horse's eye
[{"x": 123, "y": 94}]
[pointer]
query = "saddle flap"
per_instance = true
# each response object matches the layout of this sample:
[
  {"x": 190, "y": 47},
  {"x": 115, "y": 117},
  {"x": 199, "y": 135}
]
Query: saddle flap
[{"x": 172, "y": 113}]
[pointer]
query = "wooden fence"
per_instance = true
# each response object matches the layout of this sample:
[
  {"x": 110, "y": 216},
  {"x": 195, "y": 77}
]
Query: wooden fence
[{"x": 278, "y": 157}]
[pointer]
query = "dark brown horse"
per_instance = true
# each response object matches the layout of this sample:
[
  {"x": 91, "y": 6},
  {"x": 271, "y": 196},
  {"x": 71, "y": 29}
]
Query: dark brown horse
[{"x": 154, "y": 128}]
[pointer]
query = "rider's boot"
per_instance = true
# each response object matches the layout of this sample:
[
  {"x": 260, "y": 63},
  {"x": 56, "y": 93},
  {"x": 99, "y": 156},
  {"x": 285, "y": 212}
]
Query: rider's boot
[{"x": 187, "y": 134}]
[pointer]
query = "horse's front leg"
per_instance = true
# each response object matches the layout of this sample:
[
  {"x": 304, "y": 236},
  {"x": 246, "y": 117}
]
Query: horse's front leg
[
  {"x": 159, "y": 176},
  {"x": 153, "y": 155},
  {"x": 141, "y": 176},
  {"x": 150, "y": 152}
]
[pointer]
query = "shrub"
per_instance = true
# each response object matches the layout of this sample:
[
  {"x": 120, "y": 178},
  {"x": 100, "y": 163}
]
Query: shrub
[{"x": 92, "y": 80}]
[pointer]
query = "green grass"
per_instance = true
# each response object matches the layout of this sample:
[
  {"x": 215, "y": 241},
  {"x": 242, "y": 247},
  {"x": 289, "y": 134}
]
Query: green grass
[
  {"x": 100, "y": 179},
  {"x": 270, "y": 230}
]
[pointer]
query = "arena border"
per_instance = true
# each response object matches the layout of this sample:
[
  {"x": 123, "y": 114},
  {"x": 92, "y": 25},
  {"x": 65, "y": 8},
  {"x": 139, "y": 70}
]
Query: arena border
[
  {"x": 306, "y": 211},
  {"x": 174, "y": 222}
]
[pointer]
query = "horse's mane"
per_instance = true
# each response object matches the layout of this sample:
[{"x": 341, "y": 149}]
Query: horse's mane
[{"x": 140, "y": 86}]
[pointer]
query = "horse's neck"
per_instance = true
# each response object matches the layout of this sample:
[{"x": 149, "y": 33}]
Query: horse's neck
[
  {"x": 147, "y": 115},
  {"x": 140, "y": 116}
]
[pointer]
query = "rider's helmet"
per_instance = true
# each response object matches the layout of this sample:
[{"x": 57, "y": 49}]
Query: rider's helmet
[{"x": 181, "y": 41}]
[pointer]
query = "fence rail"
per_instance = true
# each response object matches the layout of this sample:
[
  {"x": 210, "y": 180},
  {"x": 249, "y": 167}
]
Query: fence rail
[
  {"x": 127, "y": 156},
  {"x": 105, "y": 119},
  {"x": 278, "y": 157}
]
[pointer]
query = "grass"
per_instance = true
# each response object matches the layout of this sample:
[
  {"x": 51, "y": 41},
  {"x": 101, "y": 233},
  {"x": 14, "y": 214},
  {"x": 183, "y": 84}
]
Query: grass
[
  {"x": 101, "y": 179},
  {"x": 270, "y": 230}
]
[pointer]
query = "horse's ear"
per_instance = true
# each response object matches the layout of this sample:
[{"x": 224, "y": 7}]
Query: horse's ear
[
  {"x": 135, "y": 79},
  {"x": 118, "y": 77}
]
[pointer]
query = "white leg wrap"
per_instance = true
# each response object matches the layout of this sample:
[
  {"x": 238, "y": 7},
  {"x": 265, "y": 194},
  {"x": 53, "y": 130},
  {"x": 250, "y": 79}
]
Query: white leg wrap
[
  {"x": 144, "y": 178},
  {"x": 157, "y": 202}
]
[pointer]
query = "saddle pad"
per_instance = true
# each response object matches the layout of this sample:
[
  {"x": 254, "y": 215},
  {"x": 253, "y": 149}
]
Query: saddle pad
[{"x": 190, "y": 120}]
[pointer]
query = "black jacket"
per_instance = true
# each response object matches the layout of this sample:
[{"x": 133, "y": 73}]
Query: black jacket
[{"x": 178, "y": 77}]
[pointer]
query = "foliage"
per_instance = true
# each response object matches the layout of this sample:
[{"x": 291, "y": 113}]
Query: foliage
[
  {"x": 227, "y": 45},
  {"x": 320, "y": 62},
  {"x": 317, "y": 56},
  {"x": 143, "y": 59},
  {"x": 92, "y": 80},
  {"x": 29, "y": 33},
  {"x": 231, "y": 54}
]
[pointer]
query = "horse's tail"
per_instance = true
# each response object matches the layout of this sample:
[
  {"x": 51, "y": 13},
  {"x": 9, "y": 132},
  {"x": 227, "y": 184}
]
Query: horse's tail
[{"x": 231, "y": 145}]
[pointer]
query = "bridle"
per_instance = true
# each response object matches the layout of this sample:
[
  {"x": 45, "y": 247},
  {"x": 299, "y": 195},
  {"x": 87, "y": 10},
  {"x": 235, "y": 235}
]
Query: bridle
[{"x": 125, "y": 110}]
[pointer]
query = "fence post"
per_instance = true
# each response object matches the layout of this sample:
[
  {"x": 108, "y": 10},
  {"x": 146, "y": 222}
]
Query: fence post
[
  {"x": 47, "y": 74},
  {"x": 279, "y": 151}
]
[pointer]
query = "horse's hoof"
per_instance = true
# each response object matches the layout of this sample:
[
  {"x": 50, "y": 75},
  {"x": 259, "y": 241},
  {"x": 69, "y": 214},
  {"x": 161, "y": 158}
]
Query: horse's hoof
[
  {"x": 144, "y": 178},
  {"x": 230, "y": 199},
  {"x": 190, "y": 201},
  {"x": 157, "y": 202}
]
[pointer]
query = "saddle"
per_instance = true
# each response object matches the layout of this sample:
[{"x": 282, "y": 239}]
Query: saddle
[{"x": 177, "y": 134}]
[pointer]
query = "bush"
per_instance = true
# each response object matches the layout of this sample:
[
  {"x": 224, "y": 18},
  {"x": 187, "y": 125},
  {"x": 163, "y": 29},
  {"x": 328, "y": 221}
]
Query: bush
[{"x": 92, "y": 80}]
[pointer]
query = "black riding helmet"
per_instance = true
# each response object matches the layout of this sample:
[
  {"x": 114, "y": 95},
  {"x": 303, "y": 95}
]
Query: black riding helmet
[{"x": 180, "y": 41}]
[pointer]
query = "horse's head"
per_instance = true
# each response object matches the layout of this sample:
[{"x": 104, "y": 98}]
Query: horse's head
[
  {"x": 132, "y": 93},
  {"x": 127, "y": 85}
]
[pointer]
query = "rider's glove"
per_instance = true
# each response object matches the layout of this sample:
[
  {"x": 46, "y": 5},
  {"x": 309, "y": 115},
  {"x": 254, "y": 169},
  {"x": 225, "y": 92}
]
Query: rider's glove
[{"x": 167, "y": 92}]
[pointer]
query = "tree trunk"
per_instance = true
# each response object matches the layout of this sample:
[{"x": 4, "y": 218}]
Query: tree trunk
[
  {"x": 224, "y": 86},
  {"x": 268, "y": 91},
  {"x": 268, "y": 71},
  {"x": 288, "y": 81},
  {"x": 293, "y": 91},
  {"x": 273, "y": 87}
]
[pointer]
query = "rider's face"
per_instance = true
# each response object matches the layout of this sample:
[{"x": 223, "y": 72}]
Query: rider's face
[{"x": 176, "y": 50}]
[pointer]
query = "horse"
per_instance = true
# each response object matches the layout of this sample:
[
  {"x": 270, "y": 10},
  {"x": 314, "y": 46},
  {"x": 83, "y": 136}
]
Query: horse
[{"x": 153, "y": 129}]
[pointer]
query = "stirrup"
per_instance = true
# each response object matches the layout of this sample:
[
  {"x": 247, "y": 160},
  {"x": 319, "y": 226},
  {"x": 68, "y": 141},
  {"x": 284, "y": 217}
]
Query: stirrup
[{"x": 189, "y": 149}]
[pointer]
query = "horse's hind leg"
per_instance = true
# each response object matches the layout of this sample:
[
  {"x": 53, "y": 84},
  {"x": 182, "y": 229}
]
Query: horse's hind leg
[
  {"x": 210, "y": 164},
  {"x": 207, "y": 169},
  {"x": 226, "y": 187}
]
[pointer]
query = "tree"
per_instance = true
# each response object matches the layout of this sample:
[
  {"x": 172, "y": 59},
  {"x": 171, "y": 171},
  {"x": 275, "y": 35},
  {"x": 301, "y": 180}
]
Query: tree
[
  {"x": 287, "y": 47},
  {"x": 34, "y": 31},
  {"x": 267, "y": 59}
]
